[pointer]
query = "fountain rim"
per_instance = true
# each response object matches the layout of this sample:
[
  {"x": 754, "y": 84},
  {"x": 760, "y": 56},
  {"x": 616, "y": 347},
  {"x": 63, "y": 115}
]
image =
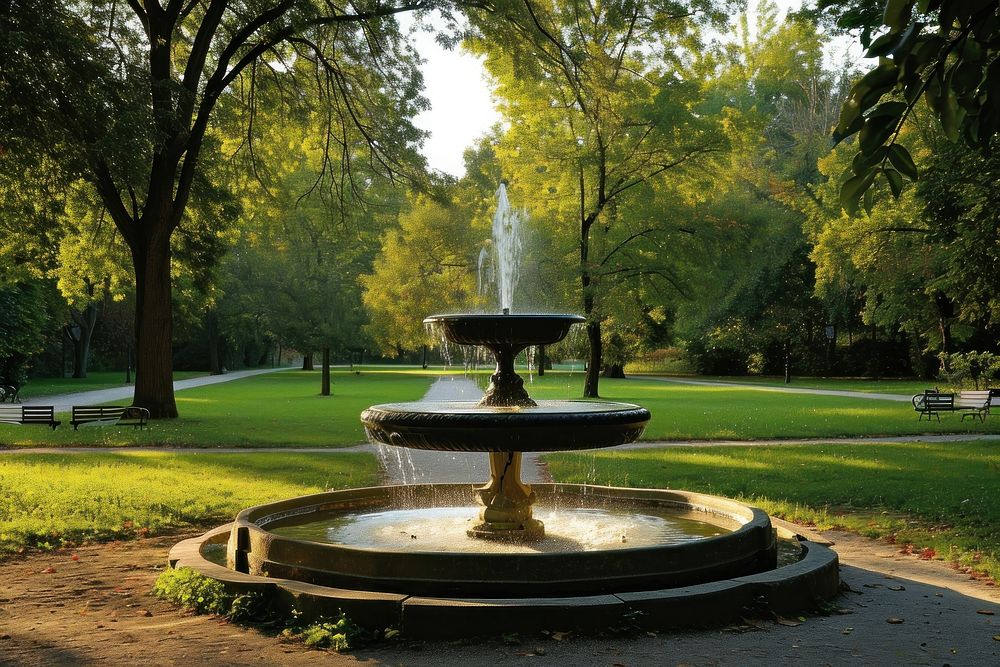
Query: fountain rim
[{"x": 752, "y": 519}]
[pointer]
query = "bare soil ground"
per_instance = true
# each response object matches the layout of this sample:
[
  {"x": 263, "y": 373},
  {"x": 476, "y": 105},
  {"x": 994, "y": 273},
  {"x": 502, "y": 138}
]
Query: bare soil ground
[{"x": 96, "y": 608}]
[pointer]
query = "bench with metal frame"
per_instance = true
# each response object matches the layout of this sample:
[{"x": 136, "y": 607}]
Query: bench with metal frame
[
  {"x": 8, "y": 394},
  {"x": 973, "y": 404},
  {"x": 109, "y": 415},
  {"x": 29, "y": 414}
]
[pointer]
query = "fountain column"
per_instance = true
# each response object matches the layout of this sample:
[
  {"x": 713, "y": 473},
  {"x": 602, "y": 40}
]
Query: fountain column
[{"x": 506, "y": 513}]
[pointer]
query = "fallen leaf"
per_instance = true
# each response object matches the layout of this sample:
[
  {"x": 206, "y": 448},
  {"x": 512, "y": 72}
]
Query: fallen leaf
[
  {"x": 74, "y": 557},
  {"x": 996, "y": 638},
  {"x": 984, "y": 612},
  {"x": 896, "y": 588},
  {"x": 559, "y": 636},
  {"x": 893, "y": 620},
  {"x": 788, "y": 622},
  {"x": 49, "y": 570}
]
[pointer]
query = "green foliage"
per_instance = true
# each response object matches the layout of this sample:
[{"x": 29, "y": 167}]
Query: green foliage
[
  {"x": 939, "y": 496},
  {"x": 942, "y": 51},
  {"x": 339, "y": 634},
  {"x": 426, "y": 266},
  {"x": 975, "y": 370},
  {"x": 204, "y": 595},
  {"x": 22, "y": 327},
  {"x": 192, "y": 590}
]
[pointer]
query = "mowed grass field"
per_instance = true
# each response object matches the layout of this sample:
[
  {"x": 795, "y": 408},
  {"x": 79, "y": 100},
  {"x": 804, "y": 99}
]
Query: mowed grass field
[
  {"x": 51, "y": 500},
  {"x": 939, "y": 497},
  {"x": 704, "y": 412},
  {"x": 282, "y": 409}
]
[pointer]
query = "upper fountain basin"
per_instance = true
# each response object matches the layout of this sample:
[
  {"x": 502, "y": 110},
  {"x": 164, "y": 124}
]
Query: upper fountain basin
[
  {"x": 468, "y": 427},
  {"x": 520, "y": 329}
]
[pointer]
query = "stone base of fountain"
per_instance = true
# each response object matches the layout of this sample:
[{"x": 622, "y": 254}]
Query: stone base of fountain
[{"x": 702, "y": 582}]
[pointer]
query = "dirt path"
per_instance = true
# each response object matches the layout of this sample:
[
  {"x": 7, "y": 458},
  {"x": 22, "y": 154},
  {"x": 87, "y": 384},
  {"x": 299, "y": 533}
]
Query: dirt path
[{"x": 97, "y": 610}]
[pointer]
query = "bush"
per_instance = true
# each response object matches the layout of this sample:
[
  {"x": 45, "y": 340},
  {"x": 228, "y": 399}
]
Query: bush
[{"x": 189, "y": 589}]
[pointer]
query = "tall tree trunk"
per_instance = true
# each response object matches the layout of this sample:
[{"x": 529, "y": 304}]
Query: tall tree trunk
[
  {"x": 325, "y": 390},
  {"x": 212, "y": 331},
  {"x": 541, "y": 360},
  {"x": 154, "y": 384},
  {"x": 80, "y": 337},
  {"x": 307, "y": 362},
  {"x": 594, "y": 360}
]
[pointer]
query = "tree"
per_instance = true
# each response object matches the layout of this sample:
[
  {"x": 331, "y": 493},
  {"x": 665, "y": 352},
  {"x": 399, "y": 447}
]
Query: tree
[
  {"x": 22, "y": 328},
  {"x": 125, "y": 94},
  {"x": 941, "y": 51},
  {"x": 426, "y": 265},
  {"x": 600, "y": 101}
]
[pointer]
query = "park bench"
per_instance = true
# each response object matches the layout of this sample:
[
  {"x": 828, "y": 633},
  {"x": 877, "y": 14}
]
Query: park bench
[
  {"x": 29, "y": 414},
  {"x": 970, "y": 403},
  {"x": 108, "y": 415}
]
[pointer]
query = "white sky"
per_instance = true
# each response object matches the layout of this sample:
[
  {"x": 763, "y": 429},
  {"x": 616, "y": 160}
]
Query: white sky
[{"x": 462, "y": 108}]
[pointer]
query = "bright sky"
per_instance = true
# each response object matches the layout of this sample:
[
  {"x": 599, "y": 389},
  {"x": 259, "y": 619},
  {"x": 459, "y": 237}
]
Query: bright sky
[{"x": 462, "y": 108}]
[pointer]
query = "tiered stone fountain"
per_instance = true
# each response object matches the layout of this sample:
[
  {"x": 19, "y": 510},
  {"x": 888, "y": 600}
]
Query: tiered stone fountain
[{"x": 413, "y": 556}]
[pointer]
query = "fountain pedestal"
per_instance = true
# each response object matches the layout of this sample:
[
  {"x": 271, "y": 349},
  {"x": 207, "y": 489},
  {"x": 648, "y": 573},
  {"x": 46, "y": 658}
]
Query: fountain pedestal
[{"x": 507, "y": 501}]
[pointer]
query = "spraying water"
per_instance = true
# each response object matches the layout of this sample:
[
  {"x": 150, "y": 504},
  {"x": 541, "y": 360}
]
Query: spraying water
[{"x": 501, "y": 266}]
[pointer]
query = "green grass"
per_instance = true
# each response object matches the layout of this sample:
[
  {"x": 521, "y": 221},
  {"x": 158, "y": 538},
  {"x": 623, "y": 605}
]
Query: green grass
[
  {"x": 941, "y": 496},
  {"x": 37, "y": 387},
  {"x": 904, "y": 387},
  {"x": 49, "y": 500},
  {"x": 272, "y": 410},
  {"x": 701, "y": 412}
]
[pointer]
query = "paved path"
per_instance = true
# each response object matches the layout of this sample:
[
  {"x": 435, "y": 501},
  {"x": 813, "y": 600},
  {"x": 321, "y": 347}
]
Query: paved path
[
  {"x": 785, "y": 390},
  {"x": 65, "y": 402}
]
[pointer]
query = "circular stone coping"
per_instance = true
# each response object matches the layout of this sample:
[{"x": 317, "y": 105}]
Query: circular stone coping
[
  {"x": 787, "y": 590},
  {"x": 747, "y": 549},
  {"x": 520, "y": 329},
  {"x": 466, "y": 426}
]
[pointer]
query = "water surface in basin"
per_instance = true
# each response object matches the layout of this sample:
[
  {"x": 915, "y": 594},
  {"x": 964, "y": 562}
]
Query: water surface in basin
[{"x": 443, "y": 529}]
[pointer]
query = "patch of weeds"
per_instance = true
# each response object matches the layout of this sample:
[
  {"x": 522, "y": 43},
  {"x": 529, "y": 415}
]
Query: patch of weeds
[
  {"x": 339, "y": 634},
  {"x": 187, "y": 588}
]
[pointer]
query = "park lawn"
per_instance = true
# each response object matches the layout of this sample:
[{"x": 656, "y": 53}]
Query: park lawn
[
  {"x": 37, "y": 387},
  {"x": 702, "y": 412},
  {"x": 153, "y": 492},
  {"x": 272, "y": 410},
  {"x": 939, "y": 500},
  {"x": 903, "y": 387}
]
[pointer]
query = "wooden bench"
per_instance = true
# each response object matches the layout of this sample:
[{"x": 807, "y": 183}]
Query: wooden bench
[
  {"x": 974, "y": 404},
  {"x": 29, "y": 414},
  {"x": 970, "y": 403},
  {"x": 108, "y": 415}
]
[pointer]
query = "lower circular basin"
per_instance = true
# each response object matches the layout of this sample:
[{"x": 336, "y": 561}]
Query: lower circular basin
[
  {"x": 465, "y": 426},
  {"x": 738, "y": 541}
]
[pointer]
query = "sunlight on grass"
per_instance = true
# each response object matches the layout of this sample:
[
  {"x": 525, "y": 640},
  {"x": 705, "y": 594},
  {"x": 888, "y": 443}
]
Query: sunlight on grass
[
  {"x": 153, "y": 492},
  {"x": 940, "y": 496}
]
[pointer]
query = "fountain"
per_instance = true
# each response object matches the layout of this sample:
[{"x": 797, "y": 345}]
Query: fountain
[{"x": 417, "y": 556}]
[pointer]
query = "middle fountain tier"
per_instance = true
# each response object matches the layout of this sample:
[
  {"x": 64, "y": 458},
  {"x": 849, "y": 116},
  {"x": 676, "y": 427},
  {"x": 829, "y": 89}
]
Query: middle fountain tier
[{"x": 506, "y": 422}]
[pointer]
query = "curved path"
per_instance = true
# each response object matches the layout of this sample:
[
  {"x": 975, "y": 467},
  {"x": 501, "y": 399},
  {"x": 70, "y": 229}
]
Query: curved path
[{"x": 65, "y": 402}]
